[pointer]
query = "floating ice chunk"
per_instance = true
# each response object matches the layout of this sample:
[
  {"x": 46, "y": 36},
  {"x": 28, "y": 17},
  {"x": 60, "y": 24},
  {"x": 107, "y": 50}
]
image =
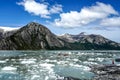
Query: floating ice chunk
[
  {"x": 9, "y": 69},
  {"x": 85, "y": 68},
  {"x": 91, "y": 59},
  {"x": 60, "y": 78},
  {"x": 32, "y": 59},
  {"x": 47, "y": 77},
  {"x": 35, "y": 77},
  {"x": 53, "y": 60},
  {"x": 77, "y": 65},
  {"x": 28, "y": 61},
  {"x": 89, "y": 63},
  {"x": 47, "y": 60},
  {"x": 100, "y": 59},
  {"x": 63, "y": 63},
  {"x": 118, "y": 64},
  {"x": 46, "y": 65},
  {"x": 2, "y": 61},
  {"x": 75, "y": 60}
]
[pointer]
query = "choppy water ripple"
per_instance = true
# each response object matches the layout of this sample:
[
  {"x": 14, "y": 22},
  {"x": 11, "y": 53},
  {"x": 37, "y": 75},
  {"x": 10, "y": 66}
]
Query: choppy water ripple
[{"x": 51, "y": 65}]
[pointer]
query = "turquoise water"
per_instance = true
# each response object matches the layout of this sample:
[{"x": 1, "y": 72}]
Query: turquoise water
[{"x": 52, "y": 65}]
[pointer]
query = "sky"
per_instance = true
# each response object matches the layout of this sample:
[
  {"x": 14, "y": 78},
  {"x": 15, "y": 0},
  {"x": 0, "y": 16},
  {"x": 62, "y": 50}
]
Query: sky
[{"x": 100, "y": 17}]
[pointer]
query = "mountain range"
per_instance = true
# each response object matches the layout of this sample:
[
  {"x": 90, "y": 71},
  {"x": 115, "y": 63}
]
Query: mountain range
[{"x": 35, "y": 36}]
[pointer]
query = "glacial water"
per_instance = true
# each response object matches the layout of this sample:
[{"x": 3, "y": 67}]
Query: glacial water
[{"x": 52, "y": 65}]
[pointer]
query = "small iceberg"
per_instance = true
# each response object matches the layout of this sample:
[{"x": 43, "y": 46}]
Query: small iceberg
[
  {"x": 1, "y": 61},
  {"x": 28, "y": 61},
  {"x": 8, "y": 69}
]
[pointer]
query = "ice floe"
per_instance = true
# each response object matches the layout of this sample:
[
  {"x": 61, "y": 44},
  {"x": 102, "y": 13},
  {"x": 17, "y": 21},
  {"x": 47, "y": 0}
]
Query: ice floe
[
  {"x": 8, "y": 69},
  {"x": 1, "y": 61},
  {"x": 28, "y": 61}
]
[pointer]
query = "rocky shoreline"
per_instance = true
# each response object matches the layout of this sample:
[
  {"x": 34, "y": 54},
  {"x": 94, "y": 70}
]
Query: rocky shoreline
[
  {"x": 106, "y": 72},
  {"x": 102, "y": 72}
]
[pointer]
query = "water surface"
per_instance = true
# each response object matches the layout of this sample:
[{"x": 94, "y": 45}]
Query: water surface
[{"x": 52, "y": 65}]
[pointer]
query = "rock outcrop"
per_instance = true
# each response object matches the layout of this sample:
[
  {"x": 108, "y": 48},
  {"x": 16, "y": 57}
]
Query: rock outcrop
[{"x": 106, "y": 72}]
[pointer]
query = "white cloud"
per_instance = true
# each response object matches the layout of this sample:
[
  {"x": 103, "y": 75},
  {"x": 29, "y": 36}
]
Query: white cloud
[
  {"x": 85, "y": 16},
  {"x": 9, "y": 28},
  {"x": 56, "y": 8},
  {"x": 111, "y": 22},
  {"x": 40, "y": 9}
]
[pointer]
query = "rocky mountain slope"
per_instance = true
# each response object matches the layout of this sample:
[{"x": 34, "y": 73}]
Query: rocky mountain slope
[
  {"x": 92, "y": 41},
  {"x": 4, "y": 34},
  {"x": 1, "y": 33},
  {"x": 35, "y": 36},
  {"x": 32, "y": 36}
]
